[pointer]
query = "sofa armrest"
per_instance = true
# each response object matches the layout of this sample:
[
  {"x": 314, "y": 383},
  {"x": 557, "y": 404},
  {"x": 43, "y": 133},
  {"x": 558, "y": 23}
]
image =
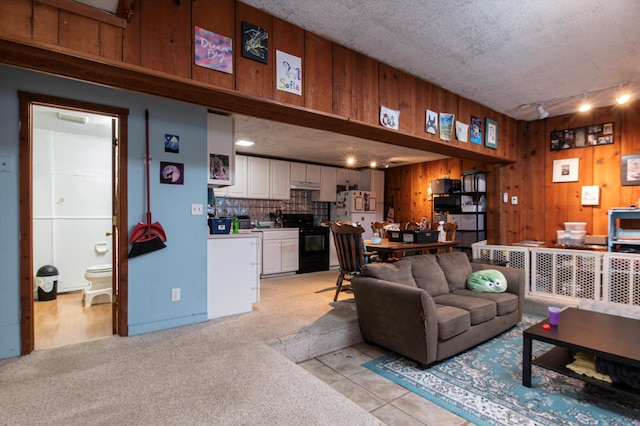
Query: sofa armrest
[
  {"x": 516, "y": 280},
  {"x": 398, "y": 317}
]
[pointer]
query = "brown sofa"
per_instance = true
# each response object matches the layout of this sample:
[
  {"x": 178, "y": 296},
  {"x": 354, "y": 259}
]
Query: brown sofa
[{"x": 420, "y": 308}]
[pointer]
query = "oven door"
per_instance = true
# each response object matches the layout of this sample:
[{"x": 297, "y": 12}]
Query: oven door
[{"x": 314, "y": 250}]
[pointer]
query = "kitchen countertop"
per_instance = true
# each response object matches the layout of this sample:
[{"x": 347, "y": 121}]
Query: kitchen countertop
[{"x": 248, "y": 234}]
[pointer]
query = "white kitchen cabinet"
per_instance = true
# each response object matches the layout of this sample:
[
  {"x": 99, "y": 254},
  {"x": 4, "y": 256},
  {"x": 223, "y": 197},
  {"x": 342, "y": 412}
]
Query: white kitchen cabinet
[
  {"x": 233, "y": 274},
  {"x": 280, "y": 251},
  {"x": 258, "y": 177},
  {"x": 328, "y": 182},
  {"x": 220, "y": 150},
  {"x": 372, "y": 180},
  {"x": 239, "y": 189},
  {"x": 306, "y": 174},
  {"x": 280, "y": 182},
  {"x": 350, "y": 175}
]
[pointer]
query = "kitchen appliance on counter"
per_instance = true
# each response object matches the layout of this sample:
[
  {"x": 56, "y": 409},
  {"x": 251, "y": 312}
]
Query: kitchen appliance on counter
[
  {"x": 313, "y": 247},
  {"x": 356, "y": 207}
]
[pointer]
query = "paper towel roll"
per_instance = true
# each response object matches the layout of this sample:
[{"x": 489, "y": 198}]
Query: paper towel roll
[{"x": 102, "y": 248}]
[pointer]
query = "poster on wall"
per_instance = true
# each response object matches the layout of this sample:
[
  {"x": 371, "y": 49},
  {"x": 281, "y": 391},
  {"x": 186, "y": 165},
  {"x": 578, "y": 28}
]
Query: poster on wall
[
  {"x": 476, "y": 129},
  {"x": 219, "y": 167},
  {"x": 255, "y": 42},
  {"x": 462, "y": 131},
  {"x": 389, "y": 118},
  {"x": 172, "y": 143},
  {"x": 446, "y": 126},
  {"x": 288, "y": 73},
  {"x": 431, "y": 125},
  {"x": 213, "y": 51},
  {"x": 171, "y": 173}
]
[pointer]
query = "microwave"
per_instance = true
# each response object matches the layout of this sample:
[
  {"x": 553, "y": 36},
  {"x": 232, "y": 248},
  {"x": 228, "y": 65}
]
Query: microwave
[{"x": 449, "y": 204}]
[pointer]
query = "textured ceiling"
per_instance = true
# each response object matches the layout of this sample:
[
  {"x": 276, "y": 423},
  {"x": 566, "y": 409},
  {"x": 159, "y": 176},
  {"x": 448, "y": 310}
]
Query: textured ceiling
[{"x": 499, "y": 53}]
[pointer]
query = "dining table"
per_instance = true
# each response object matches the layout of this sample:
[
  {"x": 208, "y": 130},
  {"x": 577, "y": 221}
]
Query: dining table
[{"x": 396, "y": 249}]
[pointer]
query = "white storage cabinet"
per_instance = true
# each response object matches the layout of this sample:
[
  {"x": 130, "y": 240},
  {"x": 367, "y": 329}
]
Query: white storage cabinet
[
  {"x": 328, "y": 182},
  {"x": 280, "y": 251},
  {"x": 233, "y": 274}
]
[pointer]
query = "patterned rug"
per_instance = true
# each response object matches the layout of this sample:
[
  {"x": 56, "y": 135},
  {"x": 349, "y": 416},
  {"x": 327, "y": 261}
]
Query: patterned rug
[{"x": 484, "y": 386}]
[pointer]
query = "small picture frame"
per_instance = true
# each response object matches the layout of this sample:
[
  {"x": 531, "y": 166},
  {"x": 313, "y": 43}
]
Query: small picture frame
[
  {"x": 491, "y": 133},
  {"x": 607, "y": 129},
  {"x": 630, "y": 170},
  {"x": 255, "y": 42},
  {"x": 590, "y": 195},
  {"x": 565, "y": 170}
]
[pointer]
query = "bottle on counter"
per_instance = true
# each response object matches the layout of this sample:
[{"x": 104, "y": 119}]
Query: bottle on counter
[{"x": 235, "y": 225}]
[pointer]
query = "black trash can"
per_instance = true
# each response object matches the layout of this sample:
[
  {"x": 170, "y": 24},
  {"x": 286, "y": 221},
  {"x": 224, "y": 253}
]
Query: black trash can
[{"x": 47, "y": 282}]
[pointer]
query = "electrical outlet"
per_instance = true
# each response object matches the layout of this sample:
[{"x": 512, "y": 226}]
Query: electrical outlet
[
  {"x": 196, "y": 210},
  {"x": 514, "y": 200},
  {"x": 505, "y": 197},
  {"x": 175, "y": 294}
]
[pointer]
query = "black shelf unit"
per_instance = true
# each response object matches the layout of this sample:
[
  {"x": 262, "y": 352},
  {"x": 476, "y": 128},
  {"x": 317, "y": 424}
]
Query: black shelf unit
[{"x": 472, "y": 223}]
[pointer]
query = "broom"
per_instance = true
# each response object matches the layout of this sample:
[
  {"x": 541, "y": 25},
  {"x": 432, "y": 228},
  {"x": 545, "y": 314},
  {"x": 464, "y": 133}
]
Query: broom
[{"x": 147, "y": 237}]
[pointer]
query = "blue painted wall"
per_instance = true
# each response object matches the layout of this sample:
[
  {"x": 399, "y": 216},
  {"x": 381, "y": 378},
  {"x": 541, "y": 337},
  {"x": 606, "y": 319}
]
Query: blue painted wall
[{"x": 151, "y": 276}]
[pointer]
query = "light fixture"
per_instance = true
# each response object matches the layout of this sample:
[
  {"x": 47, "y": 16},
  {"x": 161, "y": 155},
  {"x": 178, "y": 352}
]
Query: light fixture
[
  {"x": 244, "y": 143},
  {"x": 373, "y": 164},
  {"x": 351, "y": 161},
  {"x": 621, "y": 98},
  {"x": 80, "y": 119},
  {"x": 585, "y": 106},
  {"x": 542, "y": 113}
]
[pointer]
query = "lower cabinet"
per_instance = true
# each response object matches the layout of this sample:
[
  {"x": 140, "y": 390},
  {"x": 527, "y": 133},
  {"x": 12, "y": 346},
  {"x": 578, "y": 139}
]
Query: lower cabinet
[
  {"x": 233, "y": 274},
  {"x": 280, "y": 251}
]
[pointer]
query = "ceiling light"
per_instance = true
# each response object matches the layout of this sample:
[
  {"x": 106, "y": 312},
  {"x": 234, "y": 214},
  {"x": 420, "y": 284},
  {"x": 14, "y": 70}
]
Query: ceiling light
[
  {"x": 351, "y": 161},
  {"x": 542, "y": 113},
  {"x": 80, "y": 119},
  {"x": 373, "y": 164},
  {"x": 623, "y": 99},
  {"x": 244, "y": 143},
  {"x": 585, "y": 105}
]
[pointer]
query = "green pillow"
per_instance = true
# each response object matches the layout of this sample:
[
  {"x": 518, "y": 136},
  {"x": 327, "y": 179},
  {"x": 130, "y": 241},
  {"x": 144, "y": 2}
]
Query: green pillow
[{"x": 487, "y": 281}]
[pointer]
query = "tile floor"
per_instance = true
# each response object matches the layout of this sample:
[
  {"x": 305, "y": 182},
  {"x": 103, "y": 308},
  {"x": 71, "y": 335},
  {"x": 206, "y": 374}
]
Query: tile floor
[{"x": 389, "y": 402}]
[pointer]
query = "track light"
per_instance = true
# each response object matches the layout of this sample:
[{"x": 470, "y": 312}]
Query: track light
[
  {"x": 623, "y": 99},
  {"x": 542, "y": 113},
  {"x": 585, "y": 105}
]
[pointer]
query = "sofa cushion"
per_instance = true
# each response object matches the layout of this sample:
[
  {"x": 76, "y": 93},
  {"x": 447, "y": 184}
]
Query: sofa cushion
[
  {"x": 456, "y": 268},
  {"x": 397, "y": 272},
  {"x": 428, "y": 274},
  {"x": 451, "y": 321},
  {"x": 480, "y": 309},
  {"x": 505, "y": 302}
]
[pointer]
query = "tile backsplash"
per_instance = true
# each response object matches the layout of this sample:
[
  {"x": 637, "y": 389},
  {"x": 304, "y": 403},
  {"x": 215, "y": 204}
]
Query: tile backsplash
[{"x": 300, "y": 202}]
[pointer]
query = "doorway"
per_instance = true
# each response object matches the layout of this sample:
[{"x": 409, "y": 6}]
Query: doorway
[{"x": 72, "y": 203}]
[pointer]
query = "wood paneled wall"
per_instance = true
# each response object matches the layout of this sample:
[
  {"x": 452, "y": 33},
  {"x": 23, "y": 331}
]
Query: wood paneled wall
[
  {"x": 337, "y": 81},
  {"x": 543, "y": 206}
]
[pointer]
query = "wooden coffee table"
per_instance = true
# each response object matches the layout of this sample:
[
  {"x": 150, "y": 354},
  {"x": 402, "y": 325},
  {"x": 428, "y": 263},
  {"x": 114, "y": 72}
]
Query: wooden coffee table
[{"x": 603, "y": 335}]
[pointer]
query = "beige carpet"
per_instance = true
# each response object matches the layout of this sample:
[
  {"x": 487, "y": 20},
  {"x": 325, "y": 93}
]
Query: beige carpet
[{"x": 239, "y": 370}]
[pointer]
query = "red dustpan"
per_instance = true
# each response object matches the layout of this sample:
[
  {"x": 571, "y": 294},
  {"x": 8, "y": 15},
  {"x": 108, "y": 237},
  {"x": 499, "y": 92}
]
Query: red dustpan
[{"x": 150, "y": 236}]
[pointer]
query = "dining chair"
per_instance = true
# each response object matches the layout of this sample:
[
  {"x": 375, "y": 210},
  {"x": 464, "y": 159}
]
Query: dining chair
[
  {"x": 351, "y": 252},
  {"x": 378, "y": 229},
  {"x": 450, "y": 230}
]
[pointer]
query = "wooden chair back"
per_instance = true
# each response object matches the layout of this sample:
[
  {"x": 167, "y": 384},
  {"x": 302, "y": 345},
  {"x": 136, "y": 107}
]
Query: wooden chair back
[
  {"x": 349, "y": 246},
  {"x": 450, "y": 230},
  {"x": 378, "y": 228}
]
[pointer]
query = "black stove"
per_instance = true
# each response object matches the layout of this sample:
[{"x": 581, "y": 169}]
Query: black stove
[{"x": 313, "y": 243}]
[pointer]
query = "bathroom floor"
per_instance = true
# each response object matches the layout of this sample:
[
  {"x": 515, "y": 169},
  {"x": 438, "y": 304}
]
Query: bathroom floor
[{"x": 65, "y": 321}]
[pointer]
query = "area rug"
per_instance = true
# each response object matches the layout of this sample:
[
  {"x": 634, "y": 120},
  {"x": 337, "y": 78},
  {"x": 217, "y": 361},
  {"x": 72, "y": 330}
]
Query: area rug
[{"x": 484, "y": 386}]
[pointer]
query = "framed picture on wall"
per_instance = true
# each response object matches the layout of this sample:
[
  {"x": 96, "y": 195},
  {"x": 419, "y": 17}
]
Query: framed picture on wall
[
  {"x": 491, "y": 133},
  {"x": 565, "y": 170},
  {"x": 590, "y": 195},
  {"x": 631, "y": 169}
]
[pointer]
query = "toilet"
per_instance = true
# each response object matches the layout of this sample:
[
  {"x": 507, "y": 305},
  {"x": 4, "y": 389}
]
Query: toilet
[{"x": 100, "y": 278}]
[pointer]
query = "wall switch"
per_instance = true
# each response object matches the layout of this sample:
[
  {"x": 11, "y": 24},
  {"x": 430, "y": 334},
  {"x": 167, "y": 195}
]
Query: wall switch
[
  {"x": 505, "y": 197},
  {"x": 175, "y": 294},
  {"x": 196, "y": 210},
  {"x": 514, "y": 200}
]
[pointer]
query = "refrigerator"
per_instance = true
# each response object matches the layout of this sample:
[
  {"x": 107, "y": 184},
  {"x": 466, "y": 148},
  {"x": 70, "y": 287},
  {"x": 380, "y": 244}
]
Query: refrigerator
[{"x": 357, "y": 206}]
